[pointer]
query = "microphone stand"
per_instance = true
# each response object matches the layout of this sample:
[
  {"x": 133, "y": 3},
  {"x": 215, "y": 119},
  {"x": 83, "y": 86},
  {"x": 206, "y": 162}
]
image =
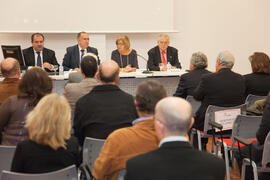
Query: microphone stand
[{"x": 147, "y": 69}]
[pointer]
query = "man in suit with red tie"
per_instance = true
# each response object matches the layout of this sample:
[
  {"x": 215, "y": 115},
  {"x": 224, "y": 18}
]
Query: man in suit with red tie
[
  {"x": 163, "y": 53},
  {"x": 38, "y": 55}
]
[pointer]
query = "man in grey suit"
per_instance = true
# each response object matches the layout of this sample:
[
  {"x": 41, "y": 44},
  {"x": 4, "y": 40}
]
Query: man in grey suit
[
  {"x": 74, "y": 91},
  {"x": 75, "y": 53}
]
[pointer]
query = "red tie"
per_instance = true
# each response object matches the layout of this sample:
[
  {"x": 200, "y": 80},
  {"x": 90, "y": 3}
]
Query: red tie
[{"x": 163, "y": 58}]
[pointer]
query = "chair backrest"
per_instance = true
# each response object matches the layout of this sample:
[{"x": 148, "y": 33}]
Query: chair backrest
[
  {"x": 91, "y": 149},
  {"x": 250, "y": 100},
  {"x": 6, "y": 156},
  {"x": 266, "y": 151},
  {"x": 211, "y": 111},
  {"x": 68, "y": 173},
  {"x": 245, "y": 127},
  {"x": 194, "y": 104},
  {"x": 121, "y": 174}
]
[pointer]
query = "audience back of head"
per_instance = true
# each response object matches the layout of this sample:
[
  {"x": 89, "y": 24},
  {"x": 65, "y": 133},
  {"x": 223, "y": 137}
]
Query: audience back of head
[
  {"x": 10, "y": 68},
  {"x": 199, "y": 60},
  {"x": 89, "y": 66},
  {"x": 260, "y": 62},
  {"x": 109, "y": 72},
  {"x": 225, "y": 59}
]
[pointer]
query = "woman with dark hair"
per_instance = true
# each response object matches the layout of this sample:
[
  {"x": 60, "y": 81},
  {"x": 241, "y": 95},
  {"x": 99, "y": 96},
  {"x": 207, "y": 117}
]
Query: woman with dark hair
[
  {"x": 34, "y": 84},
  {"x": 258, "y": 82}
]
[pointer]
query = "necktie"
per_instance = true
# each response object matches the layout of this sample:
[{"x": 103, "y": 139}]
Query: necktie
[
  {"x": 39, "y": 60},
  {"x": 82, "y": 54},
  {"x": 163, "y": 58}
]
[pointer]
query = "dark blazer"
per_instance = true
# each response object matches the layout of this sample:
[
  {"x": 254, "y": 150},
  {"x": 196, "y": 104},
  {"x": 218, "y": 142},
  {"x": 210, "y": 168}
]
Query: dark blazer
[
  {"x": 132, "y": 58},
  {"x": 264, "y": 128},
  {"x": 103, "y": 110},
  {"x": 257, "y": 84},
  {"x": 31, "y": 157},
  {"x": 72, "y": 57},
  {"x": 47, "y": 54},
  {"x": 223, "y": 88},
  {"x": 175, "y": 160},
  {"x": 188, "y": 82},
  {"x": 154, "y": 58}
]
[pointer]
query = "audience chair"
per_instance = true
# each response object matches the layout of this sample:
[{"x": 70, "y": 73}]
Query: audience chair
[
  {"x": 121, "y": 174},
  {"x": 250, "y": 100},
  {"x": 243, "y": 126},
  {"x": 263, "y": 166},
  {"x": 91, "y": 149},
  {"x": 6, "y": 156},
  {"x": 68, "y": 173},
  {"x": 194, "y": 104}
]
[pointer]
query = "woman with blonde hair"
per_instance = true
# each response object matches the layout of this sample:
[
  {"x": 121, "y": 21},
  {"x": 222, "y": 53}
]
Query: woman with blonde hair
[
  {"x": 49, "y": 147},
  {"x": 125, "y": 57}
]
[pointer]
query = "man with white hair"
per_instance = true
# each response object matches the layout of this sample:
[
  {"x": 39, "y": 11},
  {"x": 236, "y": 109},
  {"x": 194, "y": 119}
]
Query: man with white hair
[
  {"x": 223, "y": 88},
  {"x": 163, "y": 54},
  {"x": 189, "y": 81},
  {"x": 175, "y": 158}
]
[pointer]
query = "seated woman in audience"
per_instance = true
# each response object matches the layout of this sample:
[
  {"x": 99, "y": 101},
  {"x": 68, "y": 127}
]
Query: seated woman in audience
[
  {"x": 258, "y": 82},
  {"x": 125, "y": 57},
  {"x": 49, "y": 147},
  {"x": 34, "y": 84}
]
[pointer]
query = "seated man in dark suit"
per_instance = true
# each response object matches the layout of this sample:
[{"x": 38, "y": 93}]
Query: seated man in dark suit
[
  {"x": 38, "y": 55},
  {"x": 105, "y": 108},
  {"x": 175, "y": 158},
  {"x": 163, "y": 53},
  {"x": 75, "y": 53},
  {"x": 189, "y": 81}
]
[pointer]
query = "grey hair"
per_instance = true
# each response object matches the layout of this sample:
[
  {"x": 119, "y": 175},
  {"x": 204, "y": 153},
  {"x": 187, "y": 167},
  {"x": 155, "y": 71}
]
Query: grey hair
[
  {"x": 164, "y": 35},
  {"x": 91, "y": 54},
  {"x": 226, "y": 59},
  {"x": 199, "y": 60}
]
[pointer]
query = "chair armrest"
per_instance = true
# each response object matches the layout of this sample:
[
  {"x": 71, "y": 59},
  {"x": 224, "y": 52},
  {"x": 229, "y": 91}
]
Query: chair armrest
[
  {"x": 216, "y": 125},
  {"x": 242, "y": 140}
]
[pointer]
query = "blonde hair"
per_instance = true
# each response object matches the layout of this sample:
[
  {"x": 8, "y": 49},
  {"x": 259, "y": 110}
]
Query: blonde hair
[
  {"x": 49, "y": 122},
  {"x": 125, "y": 41}
]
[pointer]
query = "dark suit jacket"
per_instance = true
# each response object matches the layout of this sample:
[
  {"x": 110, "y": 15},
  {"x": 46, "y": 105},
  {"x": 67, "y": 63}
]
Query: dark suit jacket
[
  {"x": 132, "y": 58},
  {"x": 188, "y": 82},
  {"x": 223, "y": 88},
  {"x": 264, "y": 128},
  {"x": 257, "y": 84},
  {"x": 103, "y": 110},
  {"x": 72, "y": 57},
  {"x": 47, "y": 54},
  {"x": 175, "y": 160},
  {"x": 154, "y": 58}
]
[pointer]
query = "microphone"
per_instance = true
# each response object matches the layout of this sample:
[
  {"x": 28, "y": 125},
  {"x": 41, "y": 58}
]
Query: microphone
[{"x": 147, "y": 69}]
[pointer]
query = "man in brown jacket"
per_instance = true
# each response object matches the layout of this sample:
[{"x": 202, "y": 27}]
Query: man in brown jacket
[
  {"x": 128, "y": 142},
  {"x": 10, "y": 69}
]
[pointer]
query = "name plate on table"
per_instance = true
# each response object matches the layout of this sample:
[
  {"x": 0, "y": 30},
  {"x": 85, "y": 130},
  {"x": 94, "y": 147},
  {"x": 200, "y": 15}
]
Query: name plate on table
[{"x": 227, "y": 117}]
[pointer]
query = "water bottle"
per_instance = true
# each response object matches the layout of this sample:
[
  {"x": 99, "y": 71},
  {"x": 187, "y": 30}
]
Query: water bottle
[
  {"x": 61, "y": 70},
  {"x": 168, "y": 66}
]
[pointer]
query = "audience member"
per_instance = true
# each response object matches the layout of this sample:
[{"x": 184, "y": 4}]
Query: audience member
[
  {"x": 105, "y": 108},
  {"x": 125, "y": 143},
  {"x": 257, "y": 146},
  {"x": 38, "y": 55},
  {"x": 34, "y": 84},
  {"x": 74, "y": 91},
  {"x": 75, "y": 53},
  {"x": 10, "y": 69},
  {"x": 76, "y": 76},
  {"x": 224, "y": 88},
  {"x": 258, "y": 82},
  {"x": 189, "y": 81},
  {"x": 163, "y": 54},
  {"x": 175, "y": 158},
  {"x": 49, "y": 147},
  {"x": 125, "y": 57}
]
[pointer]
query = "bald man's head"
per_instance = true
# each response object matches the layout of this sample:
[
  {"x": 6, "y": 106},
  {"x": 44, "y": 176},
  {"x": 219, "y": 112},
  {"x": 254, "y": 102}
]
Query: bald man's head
[
  {"x": 109, "y": 72},
  {"x": 10, "y": 68},
  {"x": 174, "y": 114}
]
